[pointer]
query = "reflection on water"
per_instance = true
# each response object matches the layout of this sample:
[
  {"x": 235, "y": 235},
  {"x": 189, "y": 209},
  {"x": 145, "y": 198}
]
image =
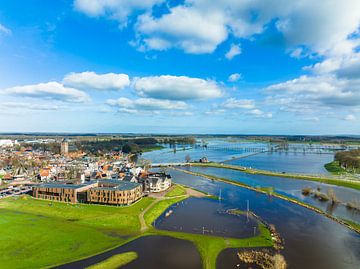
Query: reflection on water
[
  {"x": 155, "y": 252},
  {"x": 311, "y": 240},
  {"x": 292, "y": 188},
  {"x": 206, "y": 216},
  {"x": 301, "y": 158},
  {"x": 301, "y": 163}
]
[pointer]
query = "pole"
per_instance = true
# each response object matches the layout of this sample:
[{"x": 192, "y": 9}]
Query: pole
[{"x": 247, "y": 210}]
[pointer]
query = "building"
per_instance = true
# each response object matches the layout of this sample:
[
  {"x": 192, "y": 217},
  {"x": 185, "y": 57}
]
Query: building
[
  {"x": 115, "y": 192},
  {"x": 71, "y": 193},
  {"x": 157, "y": 182},
  {"x": 64, "y": 147},
  {"x": 112, "y": 192}
]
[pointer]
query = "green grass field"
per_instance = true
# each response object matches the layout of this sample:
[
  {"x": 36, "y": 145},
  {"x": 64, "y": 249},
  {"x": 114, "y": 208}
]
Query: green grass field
[
  {"x": 37, "y": 233},
  {"x": 115, "y": 261},
  {"x": 176, "y": 191},
  {"x": 334, "y": 168}
]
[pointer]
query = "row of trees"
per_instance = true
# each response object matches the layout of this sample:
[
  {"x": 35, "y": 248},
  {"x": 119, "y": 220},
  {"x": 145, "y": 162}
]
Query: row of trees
[{"x": 349, "y": 159}]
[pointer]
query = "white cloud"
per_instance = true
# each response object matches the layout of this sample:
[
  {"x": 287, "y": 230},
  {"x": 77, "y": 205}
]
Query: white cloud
[
  {"x": 4, "y": 30},
  {"x": 233, "y": 51},
  {"x": 199, "y": 26},
  {"x": 326, "y": 90},
  {"x": 234, "y": 77},
  {"x": 233, "y": 103},
  {"x": 145, "y": 104},
  {"x": 51, "y": 91},
  {"x": 177, "y": 87},
  {"x": 350, "y": 117},
  {"x": 114, "y": 9},
  {"x": 29, "y": 106},
  {"x": 184, "y": 28},
  {"x": 260, "y": 114},
  {"x": 91, "y": 80}
]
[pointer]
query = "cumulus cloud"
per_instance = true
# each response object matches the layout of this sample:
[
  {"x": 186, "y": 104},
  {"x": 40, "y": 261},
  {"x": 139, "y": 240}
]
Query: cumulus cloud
[
  {"x": 326, "y": 90},
  {"x": 115, "y": 9},
  {"x": 127, "y": 105},
  {"x": 184, "y": 28},
  {"x": 51, "y": 90},
  {"x": 350, "y": 117},
  {"x": 91, "y": 80},
  {"x": 233, "y": 51},
  {"x": 233, "y": 103},
  {"x": 234, "y": 77},
  {"x": 4, "y": 30},
  {"x": 260, "y": 114},
  {"x": 177, "y": 87}
]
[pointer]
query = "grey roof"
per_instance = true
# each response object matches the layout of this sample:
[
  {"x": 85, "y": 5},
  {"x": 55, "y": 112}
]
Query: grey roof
[
  {"x": 117, "y": 185},
  {"x": 62, "y": 186}
]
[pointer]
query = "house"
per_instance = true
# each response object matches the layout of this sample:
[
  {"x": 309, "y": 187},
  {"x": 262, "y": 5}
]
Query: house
[{"x": 157, "y": 182}]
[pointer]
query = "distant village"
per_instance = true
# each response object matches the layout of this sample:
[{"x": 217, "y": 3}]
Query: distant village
[{"x": 75, "y": 176}]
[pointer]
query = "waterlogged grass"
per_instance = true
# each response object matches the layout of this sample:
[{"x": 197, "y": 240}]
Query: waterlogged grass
[
  {"x": 115, "y": 261},
  {"x": 151, "y": 148},
  {"x": 39, "y": 233},
  {"x": 210, "y": 246},
  {"x": 331, "y": 181},
  {"x": 177, "y": 190},
  {"x": 334, "y": 168},
  {"x": 153, "y": 213}
]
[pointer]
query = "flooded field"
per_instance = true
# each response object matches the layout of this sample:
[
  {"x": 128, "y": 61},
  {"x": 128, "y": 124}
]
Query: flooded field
[
  {"x": 311, "y": 240},
  {"x": 289, "y": 162},
  {"x": 155, "y": 252},
  {"x": 206, "y": 216},
  {"x": 292, "y": 188}
]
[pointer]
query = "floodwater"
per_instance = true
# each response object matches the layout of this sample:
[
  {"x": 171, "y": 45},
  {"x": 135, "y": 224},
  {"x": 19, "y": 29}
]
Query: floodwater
[
  {"x": 289, "y": 162},
  {"x": 291, "y": 188},
  {"x": 217, "y": 151},
  {"x": 311, "y": 240},
  {"x": 300, "y": 158},
  {"x": 155, "y": 252},
  {"x": 206, "y": 216}
]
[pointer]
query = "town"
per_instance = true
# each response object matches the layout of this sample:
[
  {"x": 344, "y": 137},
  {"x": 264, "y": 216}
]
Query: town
[{"x": 73, "y": 176}]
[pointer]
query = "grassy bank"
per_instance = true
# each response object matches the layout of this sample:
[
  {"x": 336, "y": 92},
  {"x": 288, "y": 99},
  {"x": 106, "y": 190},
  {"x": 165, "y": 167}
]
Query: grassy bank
[
  {"x": 176, "y": 191},
  {"x": 151, "y": 148},
  {"x": 334, "y": 168},
  {"x": 36, "y": 233},
  {"x": 333, "y": 181},
  {"x": 39, "y": 233},
  {"x": 115, "y": 261},
  {"x": 353, "y": 226}
]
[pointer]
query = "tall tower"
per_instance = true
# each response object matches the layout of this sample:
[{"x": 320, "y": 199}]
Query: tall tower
[{"x": 64, "y": 147}]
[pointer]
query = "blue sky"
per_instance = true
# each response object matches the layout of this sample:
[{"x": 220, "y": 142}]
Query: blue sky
[{"x": 196, "y": 66}]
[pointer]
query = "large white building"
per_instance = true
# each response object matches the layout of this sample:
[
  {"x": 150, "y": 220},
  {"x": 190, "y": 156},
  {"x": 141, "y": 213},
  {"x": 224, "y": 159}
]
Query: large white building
[{"x": 4, "y": 143}]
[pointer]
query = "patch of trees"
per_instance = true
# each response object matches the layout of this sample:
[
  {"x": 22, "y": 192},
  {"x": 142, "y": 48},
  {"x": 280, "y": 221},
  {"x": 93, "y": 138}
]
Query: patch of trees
[
  {"x": 53, "y": 147},
  {"x": 185, "y": 140},
  {"x": 126, "y": 145},
  {"x": 348, "y": 159}
]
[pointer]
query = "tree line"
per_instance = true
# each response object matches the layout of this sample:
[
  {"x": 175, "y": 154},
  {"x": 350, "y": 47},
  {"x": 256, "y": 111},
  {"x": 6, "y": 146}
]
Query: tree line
[{"x": 348, "y": 159}]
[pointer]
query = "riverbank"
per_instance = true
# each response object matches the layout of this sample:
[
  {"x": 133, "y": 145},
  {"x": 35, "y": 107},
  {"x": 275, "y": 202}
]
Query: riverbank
[
  {"x": 351, "y": 225},
  {"x": 333, "y": 181},
  {"x": 62, "y": 230}
]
